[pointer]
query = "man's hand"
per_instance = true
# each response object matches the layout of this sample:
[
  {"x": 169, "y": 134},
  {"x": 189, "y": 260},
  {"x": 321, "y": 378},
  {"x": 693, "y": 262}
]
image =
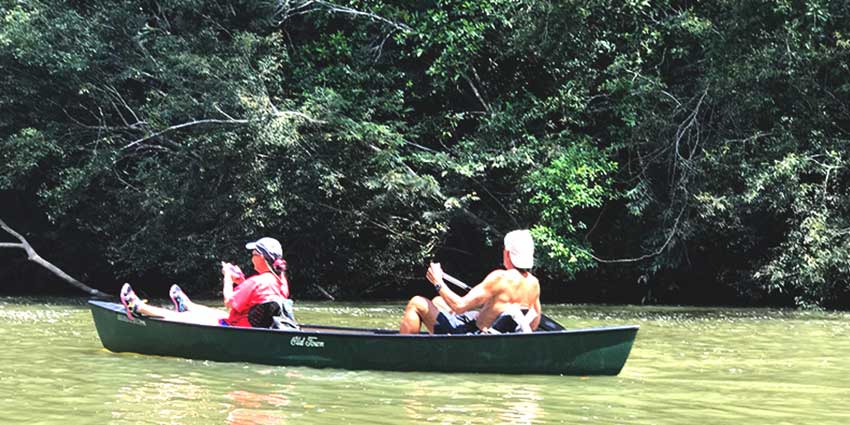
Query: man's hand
[{"x": 435, "y": 274}]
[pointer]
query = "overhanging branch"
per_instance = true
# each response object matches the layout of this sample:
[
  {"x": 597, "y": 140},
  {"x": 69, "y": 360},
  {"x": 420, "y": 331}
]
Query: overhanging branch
[
  {"x": 289, "y": 8},
  {"x": 34, "y": 257}
]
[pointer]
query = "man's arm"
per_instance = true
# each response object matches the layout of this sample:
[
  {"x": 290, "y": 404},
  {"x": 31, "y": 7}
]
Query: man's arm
[
  {"x": 476, "y": 296},
  {"x": 539, "y": 309}
]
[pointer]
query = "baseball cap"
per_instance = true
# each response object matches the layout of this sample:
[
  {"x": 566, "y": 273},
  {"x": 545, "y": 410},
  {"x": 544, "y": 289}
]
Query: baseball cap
[
  {"x": 267, "y": 246},
  {"x": 520, "y": 247}
]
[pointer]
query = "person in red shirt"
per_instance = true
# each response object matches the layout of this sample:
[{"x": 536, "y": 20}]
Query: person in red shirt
[{"x": 240, "y": 294}]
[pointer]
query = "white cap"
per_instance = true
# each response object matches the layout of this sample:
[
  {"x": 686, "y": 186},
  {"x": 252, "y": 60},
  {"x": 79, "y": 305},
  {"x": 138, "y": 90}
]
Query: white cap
[
  {"x": 520, "y": 248},
  {"x": 268, "y": 246}
]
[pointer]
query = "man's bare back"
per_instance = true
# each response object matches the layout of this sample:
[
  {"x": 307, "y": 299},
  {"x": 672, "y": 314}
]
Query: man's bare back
[{"x": 506, "y": 288}]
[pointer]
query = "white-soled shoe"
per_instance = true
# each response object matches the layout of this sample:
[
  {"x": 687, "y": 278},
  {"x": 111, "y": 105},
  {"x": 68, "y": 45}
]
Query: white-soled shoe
[
  {"x": 179, "y": 298},
  {"x": 130, "y": 300}
]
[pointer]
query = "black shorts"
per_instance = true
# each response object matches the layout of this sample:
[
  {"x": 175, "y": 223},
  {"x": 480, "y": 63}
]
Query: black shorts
[
  {"x": 449, "y": 323},
  {"x": 505, "y": 323}
]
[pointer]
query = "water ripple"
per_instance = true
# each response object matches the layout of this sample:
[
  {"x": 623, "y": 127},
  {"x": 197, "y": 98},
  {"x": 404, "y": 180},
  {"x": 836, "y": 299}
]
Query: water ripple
[{"x": 718, "y": 366}]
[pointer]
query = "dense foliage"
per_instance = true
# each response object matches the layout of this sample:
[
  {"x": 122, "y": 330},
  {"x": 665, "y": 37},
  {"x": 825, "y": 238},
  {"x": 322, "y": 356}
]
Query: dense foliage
[{"x": 671, "y": 151}]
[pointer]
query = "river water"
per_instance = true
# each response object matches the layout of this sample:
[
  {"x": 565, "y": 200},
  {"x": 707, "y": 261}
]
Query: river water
[{"x": 688, "y": 366}]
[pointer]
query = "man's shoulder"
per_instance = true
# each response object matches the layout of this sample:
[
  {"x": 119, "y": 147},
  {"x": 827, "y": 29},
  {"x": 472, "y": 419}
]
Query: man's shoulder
[
  {"x": 513, "y": 273},
  {"x": 492, "y": 278},
  {"x": 497, "y": 273},
  {"x": 510, "y": 275}
]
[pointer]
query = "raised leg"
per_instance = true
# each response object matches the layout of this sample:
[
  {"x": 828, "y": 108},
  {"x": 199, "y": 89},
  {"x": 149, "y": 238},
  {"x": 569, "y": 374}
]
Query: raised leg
[{"x": 419, "y": 311}]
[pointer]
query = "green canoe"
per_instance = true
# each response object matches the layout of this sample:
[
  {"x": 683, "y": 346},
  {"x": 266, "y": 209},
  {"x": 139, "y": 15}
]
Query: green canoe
[{"x": 595, "y": 351}]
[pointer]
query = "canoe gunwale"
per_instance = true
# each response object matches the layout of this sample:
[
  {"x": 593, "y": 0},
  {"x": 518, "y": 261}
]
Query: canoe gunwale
[{"x": 370, "y": 332}]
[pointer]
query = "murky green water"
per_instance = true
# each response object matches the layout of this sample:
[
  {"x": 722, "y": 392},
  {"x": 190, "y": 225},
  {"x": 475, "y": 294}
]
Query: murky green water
[{"x": 688, "y": 366}]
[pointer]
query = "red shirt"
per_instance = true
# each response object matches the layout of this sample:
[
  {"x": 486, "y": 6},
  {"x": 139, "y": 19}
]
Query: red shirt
[{"x": 255, "y": 290}]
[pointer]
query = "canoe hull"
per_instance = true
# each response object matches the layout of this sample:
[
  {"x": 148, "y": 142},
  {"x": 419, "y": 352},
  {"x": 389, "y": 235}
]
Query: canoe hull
[{"x": 597, "y": 351}]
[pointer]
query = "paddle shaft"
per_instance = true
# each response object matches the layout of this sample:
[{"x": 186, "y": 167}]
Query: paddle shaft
[
  {"x": 455, "y": 282},
  {"x": 545, "y": 324}
]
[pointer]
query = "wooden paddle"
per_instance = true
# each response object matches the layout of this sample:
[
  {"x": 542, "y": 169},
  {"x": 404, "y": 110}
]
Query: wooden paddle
[{"x": 545, "y": 324}]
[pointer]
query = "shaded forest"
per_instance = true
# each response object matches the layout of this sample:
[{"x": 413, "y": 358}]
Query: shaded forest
[{"x": 685, "y": 152}]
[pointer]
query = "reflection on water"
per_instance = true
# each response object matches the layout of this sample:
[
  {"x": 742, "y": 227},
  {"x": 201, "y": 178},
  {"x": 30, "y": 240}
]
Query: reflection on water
[
  {"x": 256, "y": 408},
  {"x": 471, "y": 400},
  {"x": 522, "y": 406},
  {"x": 688, "y": 366},
  {"x": 156, "y": 398}
]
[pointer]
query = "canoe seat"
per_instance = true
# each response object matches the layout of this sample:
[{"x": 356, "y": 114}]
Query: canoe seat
[
  {"x": 513, "y": 319},
  {"x": 273, "y": 315}
]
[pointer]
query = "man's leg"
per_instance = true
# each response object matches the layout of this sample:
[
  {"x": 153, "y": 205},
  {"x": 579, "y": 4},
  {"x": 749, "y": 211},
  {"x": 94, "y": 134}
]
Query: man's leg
[{"x": 419, "y": 311}]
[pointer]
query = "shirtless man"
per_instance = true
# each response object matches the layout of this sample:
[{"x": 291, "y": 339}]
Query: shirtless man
[{"x": 499, "y": 293}]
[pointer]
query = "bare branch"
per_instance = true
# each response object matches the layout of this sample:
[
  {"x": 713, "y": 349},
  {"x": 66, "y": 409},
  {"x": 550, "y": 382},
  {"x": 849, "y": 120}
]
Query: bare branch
[
  {"x": 301, "y": 115},
  {"x": 689, "y": 123},
  {"x": 681, "y": 169},
  {"x": 34, "y": 257},
  {"x": 288, "y": 8},
  {"x": 477, "y": 94},
  {"x": 636, "y": 75},
  {"x": 645, "y": 256},
  {"x": 223, "y": 113},
  {"x": 183, "y": 125},
  {"x": 120, "y": 98},
  {"x": 379, "y": 48}
]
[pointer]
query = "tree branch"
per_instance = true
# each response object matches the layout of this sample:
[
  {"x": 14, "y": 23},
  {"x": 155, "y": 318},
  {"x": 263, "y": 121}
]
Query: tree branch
[
  {"x": 288, "y": 8},
  {"x": 476, "y": 92},
  {"x": 230, "y": 120},
  {"x": 657, "y": 252},
  {"x": 183, "y": 125},
  {"x": 34, "y": 257}
]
